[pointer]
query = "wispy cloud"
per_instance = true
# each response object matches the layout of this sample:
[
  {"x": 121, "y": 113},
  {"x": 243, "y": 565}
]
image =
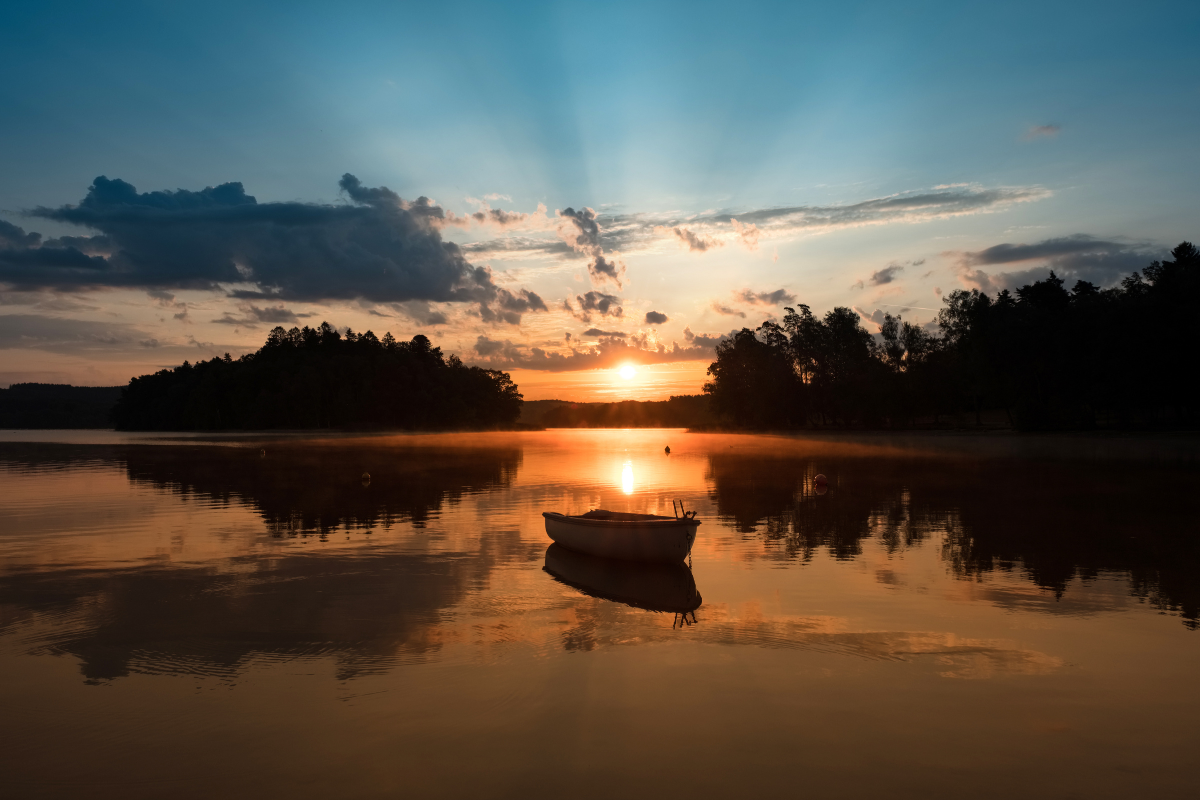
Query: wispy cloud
[{"x": 588, "y": 232}]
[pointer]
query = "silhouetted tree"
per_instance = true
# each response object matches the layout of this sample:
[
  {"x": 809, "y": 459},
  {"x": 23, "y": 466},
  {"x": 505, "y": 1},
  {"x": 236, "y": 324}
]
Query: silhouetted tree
[
  {"x": 316, "y": 378},
  {"x": 1049, "y": 357}
]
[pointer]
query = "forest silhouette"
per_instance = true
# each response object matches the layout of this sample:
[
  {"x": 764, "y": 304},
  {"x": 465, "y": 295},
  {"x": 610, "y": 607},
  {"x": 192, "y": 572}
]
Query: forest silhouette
[
  {"x": 318, "y": 378},
  {"x": 1046, "y": 356}
]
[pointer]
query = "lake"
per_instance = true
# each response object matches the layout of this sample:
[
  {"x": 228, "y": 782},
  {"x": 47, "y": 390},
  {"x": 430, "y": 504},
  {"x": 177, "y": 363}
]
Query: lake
[{"x": 382, "y": 616}]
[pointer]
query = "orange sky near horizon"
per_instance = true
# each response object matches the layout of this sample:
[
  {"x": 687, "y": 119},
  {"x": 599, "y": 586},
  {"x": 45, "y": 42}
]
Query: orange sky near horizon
[{"x": 650, "y": 382}]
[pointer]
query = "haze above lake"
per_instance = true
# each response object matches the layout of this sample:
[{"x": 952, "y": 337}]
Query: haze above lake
[{"x": 336, "y": 616}]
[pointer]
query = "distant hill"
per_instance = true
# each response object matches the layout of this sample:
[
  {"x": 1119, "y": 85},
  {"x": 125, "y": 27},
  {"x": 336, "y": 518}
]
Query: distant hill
[{"x": 57, "y": 405}]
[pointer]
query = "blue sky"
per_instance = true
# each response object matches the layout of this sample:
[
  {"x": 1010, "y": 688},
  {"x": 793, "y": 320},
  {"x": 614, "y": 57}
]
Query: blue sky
[{"x": 1067, "y": 127}]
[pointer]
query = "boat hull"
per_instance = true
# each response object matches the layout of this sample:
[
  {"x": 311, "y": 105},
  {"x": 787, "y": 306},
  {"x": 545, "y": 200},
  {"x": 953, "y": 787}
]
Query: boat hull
[{"x": 661, "y": 540}]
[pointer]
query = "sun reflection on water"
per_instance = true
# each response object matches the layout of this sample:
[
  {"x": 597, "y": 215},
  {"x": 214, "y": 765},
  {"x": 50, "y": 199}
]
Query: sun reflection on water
[{"x": 627, "y": 478}]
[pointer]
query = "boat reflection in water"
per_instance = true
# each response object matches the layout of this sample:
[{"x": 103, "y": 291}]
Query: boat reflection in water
[{"x": 669, "y": 588}]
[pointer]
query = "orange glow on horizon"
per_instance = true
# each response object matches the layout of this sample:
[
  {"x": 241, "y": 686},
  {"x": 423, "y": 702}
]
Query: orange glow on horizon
[{"x": 650, "y": 382}]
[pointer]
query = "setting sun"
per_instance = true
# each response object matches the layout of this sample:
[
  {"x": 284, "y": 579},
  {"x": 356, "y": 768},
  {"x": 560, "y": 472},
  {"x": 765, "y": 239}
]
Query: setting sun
[{"x": 628, "y": 371}]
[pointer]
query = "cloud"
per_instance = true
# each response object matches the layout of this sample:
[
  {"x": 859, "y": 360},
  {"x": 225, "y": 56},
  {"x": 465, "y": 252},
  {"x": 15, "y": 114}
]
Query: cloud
[
  {"x": 655, "y": 318},
  {"x": 886, "y": 275},
  {"x": 494, "y": 197},
  {"x": 727, "y": 311},
  {"x": 602, "y": 270},
  {"x": 580, "y": 230},
  {"x": 598, "y": 332},
  {"x": 606, "y": 305},
  {"x": 875, "y": 317},
  {"x": 1077, "y": 257},
  {"x": 1040, "y": 131},
  {"x": 379, "y": 248},
  {"x": 509, "y": 307},
  {"x": 704, "y": 340},
  {"x": 422, "y": 313},
  {"x": 693, "y": 242},
  {"x": 254, "y": 316},
  {"x": 500, "y": 218},
  {"x": 608, "y": 353},
  {"x": 486, "y": 347},
  {"x": 775, "y": 298},
  {"x": 747, "y": 233},
  {"x": 13, "y": 236}
]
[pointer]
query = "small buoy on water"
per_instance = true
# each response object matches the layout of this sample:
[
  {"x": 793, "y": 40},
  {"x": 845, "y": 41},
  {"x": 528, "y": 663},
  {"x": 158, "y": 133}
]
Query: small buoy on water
[
  {"x": 366, "y": 479},
  {"x": 821, "y": 489},
  {"x": 820, "y": 480},
  {"x": 262, "y": 453},
  {"x": 667, "y": 449}
]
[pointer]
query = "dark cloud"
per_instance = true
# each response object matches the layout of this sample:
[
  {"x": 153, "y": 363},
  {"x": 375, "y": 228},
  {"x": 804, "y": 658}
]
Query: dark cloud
[
  {"x": 14, "y": 236},
  {"x": 727, "y": 311},
  {"x": 655, "y": 318},
  {"x": 702, "y": 340},
  {"x": 606, "y": 305},
  {"x": 609, "y": 334},
  {"x": 1078, "y": 257},
  {"x": 603, "y": 270},
  {"x": 875, "y": 317},
  {"x": 254, "y": 316},
  {"x": 693, "y": 242},
  {"x": 582, "y": 231},
  {"x": 510, "y": 307},
  {"x": 380, "y": 248},
  {"x": 506, "y": 219},
  {"x": 775, "y": 298},
  {"x": 486, "y": 347},
  {"x": 886, "y": 275}
]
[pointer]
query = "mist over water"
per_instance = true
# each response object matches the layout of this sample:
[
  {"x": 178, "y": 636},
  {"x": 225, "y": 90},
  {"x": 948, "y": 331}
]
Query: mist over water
[{"x": 383, "y": 615}]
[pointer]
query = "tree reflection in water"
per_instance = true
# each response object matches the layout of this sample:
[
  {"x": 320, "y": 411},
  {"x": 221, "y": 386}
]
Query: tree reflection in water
[
  {"x": 366, "y": 612},
  {"x": 1052, "y": 521}
]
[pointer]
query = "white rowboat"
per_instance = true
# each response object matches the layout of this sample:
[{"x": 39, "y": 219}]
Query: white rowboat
[{"x": 632, "y": 537}]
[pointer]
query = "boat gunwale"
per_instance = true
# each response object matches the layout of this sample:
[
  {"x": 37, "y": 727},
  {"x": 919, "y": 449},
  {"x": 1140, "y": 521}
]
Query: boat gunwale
[{"x": 661, "y": 522}]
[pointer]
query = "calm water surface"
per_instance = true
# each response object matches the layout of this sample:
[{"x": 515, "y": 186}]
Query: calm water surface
[{"x": 247, "y": 617}]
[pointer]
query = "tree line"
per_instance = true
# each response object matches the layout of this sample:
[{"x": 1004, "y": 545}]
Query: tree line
[
  {"x": 680, "y": 411},
  {"x": 56, "y": 405},
  {"x": 319, "y": 378},
  {"x": 1045, "y": 356}
]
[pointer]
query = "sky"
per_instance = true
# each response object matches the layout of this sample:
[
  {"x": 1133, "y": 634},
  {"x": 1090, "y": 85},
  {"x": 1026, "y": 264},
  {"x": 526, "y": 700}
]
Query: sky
[{"x": 559, "y": 190}]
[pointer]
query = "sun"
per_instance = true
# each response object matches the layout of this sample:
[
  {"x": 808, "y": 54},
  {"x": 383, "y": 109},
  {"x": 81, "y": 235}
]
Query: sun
[{"x": 628, "y": 371}]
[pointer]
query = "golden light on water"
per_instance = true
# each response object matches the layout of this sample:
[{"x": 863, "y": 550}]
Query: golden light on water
[
  {"x": 628, "y": 371},
  {"x": 627, "y": 478}
]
